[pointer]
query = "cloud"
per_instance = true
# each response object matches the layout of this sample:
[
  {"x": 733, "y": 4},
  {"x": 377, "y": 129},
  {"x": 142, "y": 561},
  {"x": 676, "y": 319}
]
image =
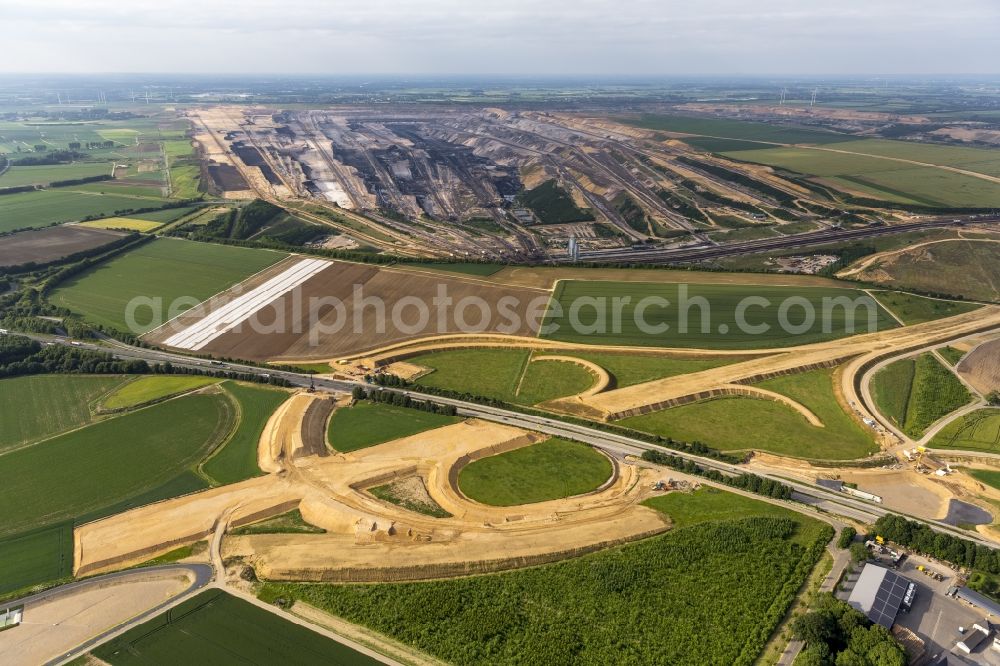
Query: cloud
[{"x": 642, "y": 37}]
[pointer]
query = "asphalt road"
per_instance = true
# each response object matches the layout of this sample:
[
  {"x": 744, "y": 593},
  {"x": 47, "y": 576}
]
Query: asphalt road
[
  {"x": 202, "y": 576},
  {"x": 615, "y": 444}
]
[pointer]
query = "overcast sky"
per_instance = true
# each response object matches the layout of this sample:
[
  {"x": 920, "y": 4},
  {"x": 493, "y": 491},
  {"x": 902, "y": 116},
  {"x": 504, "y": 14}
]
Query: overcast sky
[{"x": 635, "y": 37}]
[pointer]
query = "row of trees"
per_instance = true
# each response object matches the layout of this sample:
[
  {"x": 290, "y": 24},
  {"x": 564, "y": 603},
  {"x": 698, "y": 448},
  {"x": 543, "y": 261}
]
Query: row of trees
[
  {"x": 693, "y": 448},
  {"x": 751, "y": 482},
  {"x": 23, "y": 356},
  {"x": 921, "y": 538},
  {"x": 400, "y": 400}
]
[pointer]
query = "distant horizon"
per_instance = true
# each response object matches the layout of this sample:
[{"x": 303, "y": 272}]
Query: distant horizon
[
  {"x": 524, "y": 77},
  {"x": 658, "y": 38}
]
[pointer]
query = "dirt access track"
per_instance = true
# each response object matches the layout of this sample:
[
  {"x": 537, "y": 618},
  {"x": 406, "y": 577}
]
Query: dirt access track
[{"x": 367, "y": 539}]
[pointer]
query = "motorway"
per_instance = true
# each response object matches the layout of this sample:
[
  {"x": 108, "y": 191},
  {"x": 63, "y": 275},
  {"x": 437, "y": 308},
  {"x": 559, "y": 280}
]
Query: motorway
[
  {"x": 619, "y": 445},
  {"x": 822, "y": 237}
]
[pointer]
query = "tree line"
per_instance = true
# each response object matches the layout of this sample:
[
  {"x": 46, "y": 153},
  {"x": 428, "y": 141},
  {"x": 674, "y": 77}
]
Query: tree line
[
  {"x": 921, "y": 538},
  {"x": 400, "y": 400},
  {"x": 746, "y": 481}
]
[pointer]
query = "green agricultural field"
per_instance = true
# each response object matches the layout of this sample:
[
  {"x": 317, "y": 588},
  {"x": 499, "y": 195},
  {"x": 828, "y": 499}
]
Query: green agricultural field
[
  {"x": 42, "y": 208},
  {"x": 217, "y": 628},
  {"x": 962, "y": 268},
  {"x": 44, "y": 405},
  {"x": 166, "y": 215},
  {"x": 720, "y": 574},
  {"x": 978, "y": 431},
  {"x": 552, "y": 469},
  {"x": 712, "y": 327},
  {"x": 184, "y": 181},
  {"x": 928, "y": 186},
  {"x": 887, "y": 179},
  {"x": 934, "y": 393},
  {"x": 708, "y": 505},
  {"x": 891, "y": 388},
  {"x": 109, "y": 462},
  {"x": 370, "y": 423},
  {"x": 35, "y": 557},
  {"x": 503, "y": 374},
  {"x": 491, "y": 373},
  {"x": 16, "y": 176},
  {"x": 737, "y": 129},
  {"x": 913, "y": 309},
  {"x": 547, "y": 380},
  {"x": 979, "y": 160},
  {"x": 236, "y": 460},
  {"x": 154, "y": 387},
  {"x": 740, "y": 424},
  {"x": 167, "y": 269},
  {"x": 952, "y": 355}
]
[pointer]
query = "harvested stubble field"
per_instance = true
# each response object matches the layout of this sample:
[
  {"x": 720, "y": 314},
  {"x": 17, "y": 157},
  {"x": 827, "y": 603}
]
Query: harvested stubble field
[
  {"x": 166, "y": 269},
  {"x": 723, "y": 303},
  {"x": 39, "y": 406},
  {"x": 44, "y": 245},
  {"x": 357, "y": 327},
  {"x": 981, "y": 367},
  {"x": 217, "y": 628},
  {"x": 128, "y": 223}
]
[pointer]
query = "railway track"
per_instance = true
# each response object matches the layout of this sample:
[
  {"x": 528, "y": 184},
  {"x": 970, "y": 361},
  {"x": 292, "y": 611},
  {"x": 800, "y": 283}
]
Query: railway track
[{"x": 822, "y": 237}]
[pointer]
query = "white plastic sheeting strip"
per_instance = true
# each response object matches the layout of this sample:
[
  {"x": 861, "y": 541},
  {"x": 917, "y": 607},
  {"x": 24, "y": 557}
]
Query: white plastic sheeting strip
[{"x": 232, "y": 314}]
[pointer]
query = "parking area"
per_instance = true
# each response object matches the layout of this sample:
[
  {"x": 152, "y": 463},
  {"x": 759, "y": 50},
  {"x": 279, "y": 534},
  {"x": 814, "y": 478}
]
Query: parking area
[{"x": 935, "y": 617}]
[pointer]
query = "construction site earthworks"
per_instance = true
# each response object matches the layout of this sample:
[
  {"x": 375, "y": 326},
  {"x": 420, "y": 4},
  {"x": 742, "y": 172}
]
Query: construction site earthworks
[{"x": 450, "y": 381}]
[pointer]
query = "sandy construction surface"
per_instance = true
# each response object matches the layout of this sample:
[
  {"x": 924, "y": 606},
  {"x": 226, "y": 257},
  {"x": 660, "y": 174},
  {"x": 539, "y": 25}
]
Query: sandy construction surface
[
  {"x": 368, "y": 539},
  {"x": 657, "y": 394},
  {"x": 55, "y": 626}
]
